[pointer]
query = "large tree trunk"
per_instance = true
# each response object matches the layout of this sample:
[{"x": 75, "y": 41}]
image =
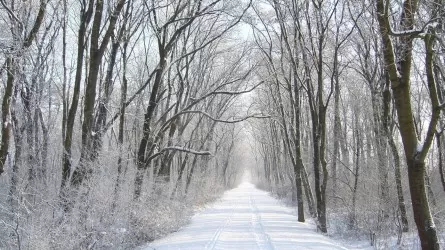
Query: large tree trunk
[
  {"x": 416, "y": 169},
  {"x": 422, "y": 216},
  {"x": 399, "y": 71}
]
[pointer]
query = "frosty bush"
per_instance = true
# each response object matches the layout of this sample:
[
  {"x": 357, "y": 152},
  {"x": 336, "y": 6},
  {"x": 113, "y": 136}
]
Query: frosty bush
[{"x": 38, "y": 221}]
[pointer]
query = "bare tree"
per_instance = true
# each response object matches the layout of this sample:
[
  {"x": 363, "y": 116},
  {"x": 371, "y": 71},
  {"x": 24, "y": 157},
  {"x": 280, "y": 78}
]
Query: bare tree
[
  {"x": 24, "y": 38},
  {"x": 398, "y": 65}
]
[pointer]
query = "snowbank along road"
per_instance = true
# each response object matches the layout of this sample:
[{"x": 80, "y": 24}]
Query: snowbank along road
[{"x": 245, "y": 218}]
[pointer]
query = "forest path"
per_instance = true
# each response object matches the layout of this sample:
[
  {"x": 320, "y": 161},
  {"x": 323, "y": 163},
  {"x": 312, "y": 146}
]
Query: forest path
[{"x": 246, "y": 218}]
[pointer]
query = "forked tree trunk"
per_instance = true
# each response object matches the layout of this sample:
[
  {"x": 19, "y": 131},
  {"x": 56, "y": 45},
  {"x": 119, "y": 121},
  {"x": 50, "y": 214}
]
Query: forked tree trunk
[
  {"x": 97, "y": 50},
  {"x": 86, "y": 14},
  {"x": 399, "y": 72}
]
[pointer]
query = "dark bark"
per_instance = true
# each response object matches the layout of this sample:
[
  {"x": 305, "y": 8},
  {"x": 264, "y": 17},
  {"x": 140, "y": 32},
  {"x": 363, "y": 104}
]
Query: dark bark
[
  {"x": 13, "y": 196},
  {"x": 10, "y": 68},
  {"x": 299, "y": 166},
  {"x": 422, "y": 216},
  {"x": 45, "y": 147},
  {"x": 440, "y": 152},
  {"x": 86, "y": 14},
  {"x": 336, "y": 140},
  {"x": 101, "y": 116},
  {"x": 358, "y": 146},
  {"x": 120, "y": 161},
  {"x": 6, "y": 115},
  {"x": 398, "y": 178},
  {"x": 399, "y": 69},
  {"x": 146, "y": 129},
  {"x": 97, "y": 50}
]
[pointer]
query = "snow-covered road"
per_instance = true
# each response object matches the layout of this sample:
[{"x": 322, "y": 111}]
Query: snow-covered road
[{"x": 246, "y": 218}]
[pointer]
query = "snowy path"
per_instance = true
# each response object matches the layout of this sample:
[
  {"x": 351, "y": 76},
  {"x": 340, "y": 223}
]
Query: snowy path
[{"x": 245, "y": 218}]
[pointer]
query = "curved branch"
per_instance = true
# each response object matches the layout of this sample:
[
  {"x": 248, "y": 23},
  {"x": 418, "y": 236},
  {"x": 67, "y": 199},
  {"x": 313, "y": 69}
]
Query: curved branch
[{"x": 180, "y": 149}]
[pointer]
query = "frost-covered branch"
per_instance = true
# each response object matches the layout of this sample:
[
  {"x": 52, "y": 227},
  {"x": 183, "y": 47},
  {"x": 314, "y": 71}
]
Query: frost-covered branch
[
  {"x": 180, "y": 149},
  {"x": 256, "y": 116},
  {"x": 216, "y": 92},
  {"x": 186, "y": 150},
  {"x": 434, "y": 97},
  {"x": 414, "y": 32},
  {"x": 195, "y": 101},
  {"x": 11, "y": 13},
  {"x": 236, "y": 92}
]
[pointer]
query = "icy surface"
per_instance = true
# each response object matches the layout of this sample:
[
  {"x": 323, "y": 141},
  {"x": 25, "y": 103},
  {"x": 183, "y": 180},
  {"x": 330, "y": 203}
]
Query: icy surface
[{"x": 246, "y": 218}]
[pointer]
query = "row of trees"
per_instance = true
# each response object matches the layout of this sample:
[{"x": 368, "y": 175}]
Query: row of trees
[
  {"x": 113, "y": 112},
  {"x": 118, "y": 114},
  {"x": 347, "y": 79}
]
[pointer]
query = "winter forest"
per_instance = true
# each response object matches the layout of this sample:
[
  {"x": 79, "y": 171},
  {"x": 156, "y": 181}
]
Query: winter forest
[{"x": 121, "y": 117}]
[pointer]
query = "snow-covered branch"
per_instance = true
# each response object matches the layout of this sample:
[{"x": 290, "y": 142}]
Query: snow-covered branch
[
  {"x": 186, "y": 150},
  {"x": 195, "y": 101},
  {"x": 180, "y": 149},
  {"x": 414, "y": 32},
  {"x": 228, "y": 92},
  {"x": 234, "y": 120}
]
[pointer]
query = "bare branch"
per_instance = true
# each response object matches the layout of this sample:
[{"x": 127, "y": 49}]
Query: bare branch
[
  {"x": 413, "y": 32},
  {"x": 37, "y": 24},
  {"x": 11, "y": 13},
  {"x": 236, "y": 120},
  {"x": 180, "y": 149}
]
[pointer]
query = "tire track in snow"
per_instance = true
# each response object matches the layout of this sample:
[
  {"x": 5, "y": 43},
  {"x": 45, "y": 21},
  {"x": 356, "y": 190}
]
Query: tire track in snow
[
  {"x": 212, "y": 243},
  {"x": 262, "y": 239},
  {"x": 246, "y": 218}
]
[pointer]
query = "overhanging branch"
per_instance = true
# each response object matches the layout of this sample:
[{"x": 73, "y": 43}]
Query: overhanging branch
[
  {"x": 180, "y": 149},
  {"x": 255, "y": 116}
]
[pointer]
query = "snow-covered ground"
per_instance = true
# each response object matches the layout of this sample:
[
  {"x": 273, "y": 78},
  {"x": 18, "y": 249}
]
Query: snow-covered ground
[{"x": 246, "y": 218}]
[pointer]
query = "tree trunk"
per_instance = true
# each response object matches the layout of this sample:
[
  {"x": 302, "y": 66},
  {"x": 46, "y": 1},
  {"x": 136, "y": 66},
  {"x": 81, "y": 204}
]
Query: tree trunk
[
  {"x": 308, "y": 193},
  {"x": 440, "y": 152},
  {"x": 71, "y": 116},
  {"x": 358, "y": 146},
  {"x": 120, "y": 164},
  {"x": 13, "y": 195},
  {"x": 422, "y": 216},
  {"x": 45, "y": 147},
  {"x": 381, "y": 148},
  {"x": 336, "y": 140},
  {"x": 399, "y": 72},
  {"x": 398, "y": 178},
  {"x": 6, "y": 114},
  {"x": 97, "y": 50},
  {"x": 101, "y": 116}
]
